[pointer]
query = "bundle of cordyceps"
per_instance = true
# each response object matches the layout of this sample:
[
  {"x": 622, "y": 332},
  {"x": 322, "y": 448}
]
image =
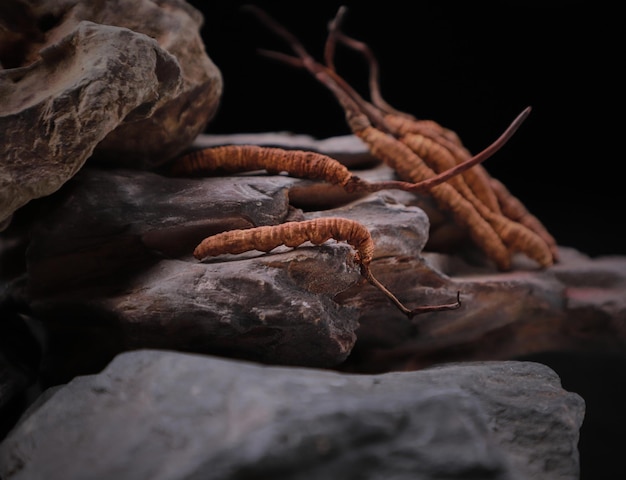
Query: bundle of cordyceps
[{"x": 426, "y": 157}]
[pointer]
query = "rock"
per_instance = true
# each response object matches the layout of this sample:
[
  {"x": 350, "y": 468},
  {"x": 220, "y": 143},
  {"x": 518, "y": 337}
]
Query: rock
[
  {"x": 133, "y": 275},
  {"x": 575, "y": 306},
  {"x": 178, "y": 119},
  {"x": 110, "y": 268},
  {"x": 137, "y": 218},
  {"x": 166, "y": 415},
  {"x": 83, "y": 82},
  {"x": 47, "y": 134}
]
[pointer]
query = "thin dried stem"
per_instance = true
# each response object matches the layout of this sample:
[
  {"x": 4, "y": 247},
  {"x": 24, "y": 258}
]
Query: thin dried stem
[{"x": 334, "y": 35}]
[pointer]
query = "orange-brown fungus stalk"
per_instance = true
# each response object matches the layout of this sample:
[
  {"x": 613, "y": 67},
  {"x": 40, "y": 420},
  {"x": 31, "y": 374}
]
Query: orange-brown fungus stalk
[
  {"x": 310, "y": 165},
  {"x": 409, "y": 128},
  {"x": 316, "y": 231},
  {"x": 334, "y": 35},
  {"x": 514, "y": 209},
  {"x": 440, "y": 147},
  {"x": 418, "y": 150}
]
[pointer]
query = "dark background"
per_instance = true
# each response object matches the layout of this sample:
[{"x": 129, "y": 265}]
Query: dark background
[{"x": 472, "y": 69}]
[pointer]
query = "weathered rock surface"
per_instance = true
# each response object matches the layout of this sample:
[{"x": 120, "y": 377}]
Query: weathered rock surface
[
  {"x": 134, "y": 271},
  {"x": 110, "y": 269},
  {"x": 178, "y": 119},
  {"x": 115, "y": 77},
  {"x": 165, "y": 415},
  {"x": 579, "y": 305},
  {"x": 60, "y": 107}
]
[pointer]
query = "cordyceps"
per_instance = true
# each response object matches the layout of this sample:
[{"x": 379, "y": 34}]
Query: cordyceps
[
  {"x": 309, "y": 165},
  {"x": 417, "y": 150},
  {"x": 316, "y": 231},
  {"x": 442, "y": 148}
]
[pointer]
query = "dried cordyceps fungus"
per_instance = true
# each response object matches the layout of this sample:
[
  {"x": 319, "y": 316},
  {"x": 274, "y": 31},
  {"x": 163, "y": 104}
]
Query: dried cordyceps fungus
[
  {"x": 317, "y": 166},
  {"x": 418, "y": 150},
  {"x": 316, "y": 231}
]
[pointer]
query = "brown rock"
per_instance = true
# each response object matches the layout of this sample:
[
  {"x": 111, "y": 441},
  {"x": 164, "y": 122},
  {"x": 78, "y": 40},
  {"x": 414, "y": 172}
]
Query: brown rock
[
  {"x": 60, "y": 107},
  {"x": 178, "y": 119},
  {"x": 76, "y": 80},
  {"x": 115, "y": 252},
  {"x": 111, "y": 259}
]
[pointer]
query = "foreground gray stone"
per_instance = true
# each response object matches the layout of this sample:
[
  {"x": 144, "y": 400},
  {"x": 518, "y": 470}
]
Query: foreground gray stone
[{"x": 165, "y": 415}]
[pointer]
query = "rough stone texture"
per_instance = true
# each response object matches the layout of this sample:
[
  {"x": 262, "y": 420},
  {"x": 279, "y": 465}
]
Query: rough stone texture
[
  {"x": 60, "y": 107},
  {"x": 578, "y": 305},
  {"x": 177, "y": 120},
  {"x": 134, "y": 218},
  {"x": 164, "y": 415},
  {"x": 77, "y": 80},
  {"x": 110, "y": 268},
  {"x": 134, "y": 277}
]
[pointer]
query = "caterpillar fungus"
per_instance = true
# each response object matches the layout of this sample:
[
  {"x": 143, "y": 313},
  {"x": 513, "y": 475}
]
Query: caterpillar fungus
[
  {"x": 316, "y": 231},
  {"x": 449, "y": 149},
  {"x": 305, "y": 164},
  {"x": 419, "y": 153}
]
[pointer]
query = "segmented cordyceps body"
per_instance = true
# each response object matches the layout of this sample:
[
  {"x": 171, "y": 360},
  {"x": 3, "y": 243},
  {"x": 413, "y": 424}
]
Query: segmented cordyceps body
[
  {"x": 316, "y": 231},
  {"x": 291, "y": 234},
  {"x": 242, "y": 158},
  {"x": 514, "y": 209},
  {"x": 442, "y": 153},
  {"x": 302, "y": 164}
]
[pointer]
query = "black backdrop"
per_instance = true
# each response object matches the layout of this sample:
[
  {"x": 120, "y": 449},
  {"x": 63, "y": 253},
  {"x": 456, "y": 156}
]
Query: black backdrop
[{"x": 472, "y": 69}]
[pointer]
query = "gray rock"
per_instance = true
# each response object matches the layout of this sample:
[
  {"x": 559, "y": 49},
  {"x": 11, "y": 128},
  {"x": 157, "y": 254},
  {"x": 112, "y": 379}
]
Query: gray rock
[
  {"x": 578, "y": 305},
  {"x": 165, "y": 415},
  {"x": 127, "y": 81},
  {"x": 110, "y": 267},
  {"x": 116, "y": 248},
  {"x": 178, "y": 119},
  {"x": 60, "y": 107}
]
